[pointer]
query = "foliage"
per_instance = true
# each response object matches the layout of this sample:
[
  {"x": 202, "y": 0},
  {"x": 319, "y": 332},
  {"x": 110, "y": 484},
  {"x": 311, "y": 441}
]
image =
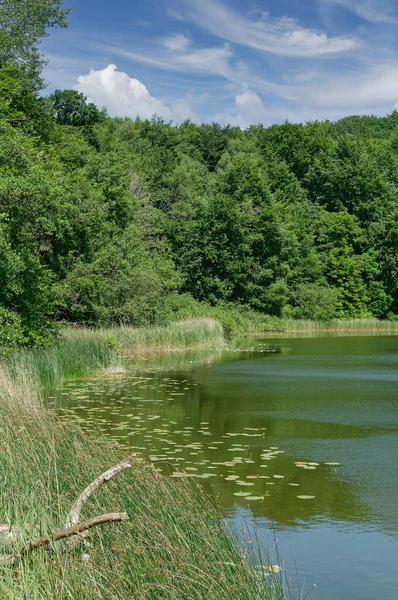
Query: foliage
[
  {"x": 22, "y": 24},
  {"x": 173, "y": 545},
  {"x": 71, "y": 108},
  {"x": 113, "y": 221}
]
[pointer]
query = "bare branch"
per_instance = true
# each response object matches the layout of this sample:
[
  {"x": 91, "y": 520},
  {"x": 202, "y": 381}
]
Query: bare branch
[
  {"x": 63, "y": 534},
  {"x": 74, "y": 514}
]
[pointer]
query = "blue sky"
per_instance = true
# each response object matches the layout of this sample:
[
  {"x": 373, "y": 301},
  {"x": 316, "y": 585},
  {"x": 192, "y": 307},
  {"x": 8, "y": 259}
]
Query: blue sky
[{"x": 231, "y": 61}]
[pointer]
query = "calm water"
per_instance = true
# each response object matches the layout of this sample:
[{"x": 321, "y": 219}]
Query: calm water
[{"x": 258, "y": 426}]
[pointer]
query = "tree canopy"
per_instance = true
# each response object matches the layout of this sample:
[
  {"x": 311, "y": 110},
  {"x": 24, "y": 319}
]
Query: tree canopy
[{"x": 109, "y": 221}]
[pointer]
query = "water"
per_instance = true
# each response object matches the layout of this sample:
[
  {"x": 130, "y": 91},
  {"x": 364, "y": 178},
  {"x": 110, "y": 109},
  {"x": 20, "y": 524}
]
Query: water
[{"x": 265, "y": 421}]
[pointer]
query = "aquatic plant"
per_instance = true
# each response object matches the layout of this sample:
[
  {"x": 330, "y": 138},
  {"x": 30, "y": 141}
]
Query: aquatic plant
[{"x": 174, "y": 544}]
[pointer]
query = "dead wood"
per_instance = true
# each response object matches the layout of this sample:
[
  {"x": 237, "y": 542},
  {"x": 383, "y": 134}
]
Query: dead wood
[
  {"x": 62, "y": 534},
  {"x": 74, "y": 514}
]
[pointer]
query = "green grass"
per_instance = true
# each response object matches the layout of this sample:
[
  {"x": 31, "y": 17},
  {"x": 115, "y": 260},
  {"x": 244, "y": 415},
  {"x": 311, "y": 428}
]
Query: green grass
[
  {"x": 173, "y": 546},
  {"x": 82, "y": 352},
  {"x": 189, "y": 333},
  {"x": 273, "y": 324}
]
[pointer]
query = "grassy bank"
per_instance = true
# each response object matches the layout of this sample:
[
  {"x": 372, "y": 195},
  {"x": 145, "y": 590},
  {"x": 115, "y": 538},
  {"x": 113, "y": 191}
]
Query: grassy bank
[
  {"x": 172, "y": 546},
  {"x": 181, "y": 335},
  {"x": 82, "y": 352}
]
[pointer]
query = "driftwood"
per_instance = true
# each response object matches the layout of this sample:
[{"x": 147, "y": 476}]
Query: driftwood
[
  {"x": 10, "y": 536},
  {"x": 63, "y": 534},
  {"x": 74, "y": 514}
]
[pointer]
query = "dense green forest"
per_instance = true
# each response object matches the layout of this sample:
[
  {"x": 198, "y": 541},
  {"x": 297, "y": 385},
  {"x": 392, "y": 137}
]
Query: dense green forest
[{"x": 109, "y": 220}]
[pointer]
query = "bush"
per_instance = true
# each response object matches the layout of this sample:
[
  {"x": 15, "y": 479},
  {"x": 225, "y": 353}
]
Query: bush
[
  {"x": 315, "y": 301},
  {"x": 11, "y": 331}
]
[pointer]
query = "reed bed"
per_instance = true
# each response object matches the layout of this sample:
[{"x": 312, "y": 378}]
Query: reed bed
[
  {"x": 172, "y": 546},
  {"x": 83, "y": 352},
  {"x": 335, "y": 325},
  {"x": 180, "y": 335}
]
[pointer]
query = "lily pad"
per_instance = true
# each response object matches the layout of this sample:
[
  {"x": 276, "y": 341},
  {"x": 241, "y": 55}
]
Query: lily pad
[{"x": 305, "y": 497}]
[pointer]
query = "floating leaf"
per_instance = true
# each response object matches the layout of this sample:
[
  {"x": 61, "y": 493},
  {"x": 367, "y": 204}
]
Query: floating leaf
[{"x": 305, "y": 497}]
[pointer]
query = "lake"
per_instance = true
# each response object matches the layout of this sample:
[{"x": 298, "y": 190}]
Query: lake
[{"x": 297, "y": 435}]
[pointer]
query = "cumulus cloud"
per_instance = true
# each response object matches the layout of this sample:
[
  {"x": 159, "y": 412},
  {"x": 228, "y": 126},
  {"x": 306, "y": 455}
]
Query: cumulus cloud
[
  {"x": 282, "y": 36},
  {"x": 250, "y": 106},
  {"x": 125, "y": 96},
  {"x": 250, "y": 111}
]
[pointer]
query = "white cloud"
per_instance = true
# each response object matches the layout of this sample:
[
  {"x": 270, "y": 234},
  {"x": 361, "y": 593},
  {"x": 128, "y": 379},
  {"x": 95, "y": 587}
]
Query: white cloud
[
  {"x": 251, "y": 111},
  {"x": 373, "y": 91},
  {"x": 374, "y": 11},
  {"x": 250, "y": 106},
  {"x": 182, "y": 111},
  {"x": 176, "y": 42},
  {"x": 210, "y": 60},
  {"x": 127, "y": 97},
  {"x": 283, "y": 36}
]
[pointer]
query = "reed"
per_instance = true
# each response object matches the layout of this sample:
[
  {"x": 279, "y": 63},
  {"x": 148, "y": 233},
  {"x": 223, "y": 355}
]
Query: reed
[
  {"x": 180, "y": 335},
  {"x": 82, "y": 352},
  {"x": 173, "y": 546},
  {"x": 335, "y": 325}
]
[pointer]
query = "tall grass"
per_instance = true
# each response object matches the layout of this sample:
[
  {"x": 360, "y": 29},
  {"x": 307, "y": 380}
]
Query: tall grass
[
  {"x": 360, "y": 325},
  {"x": 83, "y": 352},
  {"x": 173, "y": 546},
  {"x": 189, "y": 333}
]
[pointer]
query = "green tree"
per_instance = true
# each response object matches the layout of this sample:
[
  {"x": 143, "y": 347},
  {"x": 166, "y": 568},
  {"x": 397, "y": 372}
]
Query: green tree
[
  {"x": 71, "y": 108},
  {"x": 23, "y": 23},
  {"x": 339, "y": 241}
]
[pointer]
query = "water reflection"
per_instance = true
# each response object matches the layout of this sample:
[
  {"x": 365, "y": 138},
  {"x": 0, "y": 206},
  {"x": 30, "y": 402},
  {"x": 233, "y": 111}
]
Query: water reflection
[{"x": 259, "y": 426}]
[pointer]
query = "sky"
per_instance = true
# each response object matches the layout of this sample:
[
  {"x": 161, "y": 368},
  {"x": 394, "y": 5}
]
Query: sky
[{"x": 241, "y": 62}]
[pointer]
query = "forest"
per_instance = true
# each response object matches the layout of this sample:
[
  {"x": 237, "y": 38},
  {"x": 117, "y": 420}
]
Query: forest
[{"x": 108, "y": 221}]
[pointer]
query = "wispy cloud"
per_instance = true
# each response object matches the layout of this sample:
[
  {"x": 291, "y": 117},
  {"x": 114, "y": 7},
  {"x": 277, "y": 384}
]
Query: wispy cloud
[
  {"x": 219, "y": 62},
  {"x": 374, "y": 11},
  {"x": 279, "y": 36},
  {"x": 176, "y": 42},
  {"x": 209, "y": 60},
  {"x": 374, "y": 90}
]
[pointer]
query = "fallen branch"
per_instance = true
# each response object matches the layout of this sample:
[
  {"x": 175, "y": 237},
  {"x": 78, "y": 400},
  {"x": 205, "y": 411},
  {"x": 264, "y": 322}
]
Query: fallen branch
[
  {"x": 9, "y": 536},
  {"x": 62, "y": 534},
  {"x": 74, "y": 514}
]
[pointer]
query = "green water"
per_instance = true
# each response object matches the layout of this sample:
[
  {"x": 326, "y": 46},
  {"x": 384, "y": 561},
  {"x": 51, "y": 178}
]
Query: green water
[{"x": 265, "y": 420}]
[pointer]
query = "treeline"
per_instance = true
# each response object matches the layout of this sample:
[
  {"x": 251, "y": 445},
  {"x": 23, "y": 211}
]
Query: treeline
[{"x": 109, "y": 221}]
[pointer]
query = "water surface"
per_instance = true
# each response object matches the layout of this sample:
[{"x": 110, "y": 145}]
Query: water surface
[{"x": 276, "y": 419}]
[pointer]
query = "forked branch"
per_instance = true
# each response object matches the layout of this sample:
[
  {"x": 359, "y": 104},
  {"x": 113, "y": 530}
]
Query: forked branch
[
  {"x": 74, "y": 514},
  {"x": 62, "y": 534}
]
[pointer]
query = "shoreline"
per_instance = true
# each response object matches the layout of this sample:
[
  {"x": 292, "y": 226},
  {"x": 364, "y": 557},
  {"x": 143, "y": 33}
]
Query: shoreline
[{"x": 171, "y": 536}]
